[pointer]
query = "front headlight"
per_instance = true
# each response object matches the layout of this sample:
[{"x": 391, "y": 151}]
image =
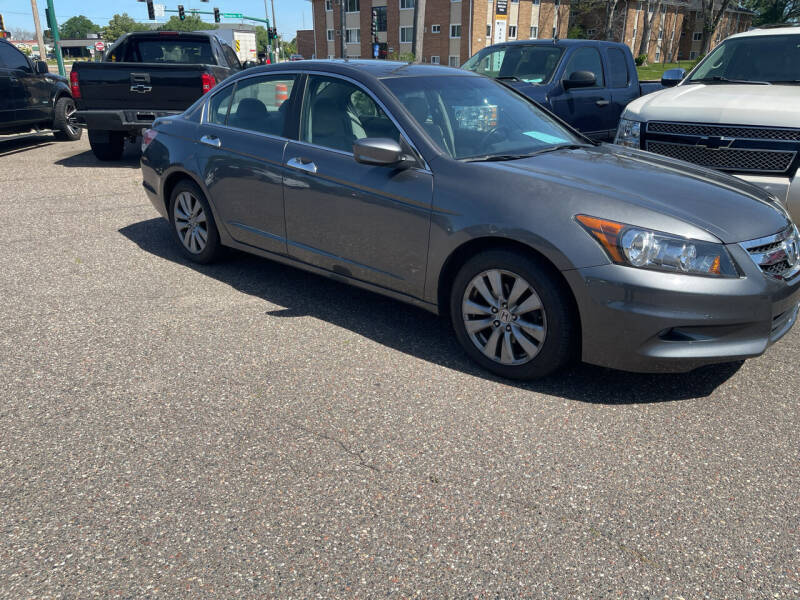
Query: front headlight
[
  {"x": 629, "y": 133},
  {"x": 645, "y": 249}
]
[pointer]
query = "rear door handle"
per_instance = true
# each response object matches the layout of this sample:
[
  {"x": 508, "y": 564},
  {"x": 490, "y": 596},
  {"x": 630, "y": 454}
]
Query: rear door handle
[
  {"x": 304, "y": 164},
  {"x": 210, "y": 140},
  {"x": 602, "y": 103}
]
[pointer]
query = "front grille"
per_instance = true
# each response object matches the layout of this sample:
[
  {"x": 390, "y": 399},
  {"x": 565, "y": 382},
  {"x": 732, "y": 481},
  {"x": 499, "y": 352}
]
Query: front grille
[
  {"x": 778, "y": 256},
  {"x": 783, "y": 322},
  {"x": 729, "y": 131},
  {"x": 727, "y": 159}
]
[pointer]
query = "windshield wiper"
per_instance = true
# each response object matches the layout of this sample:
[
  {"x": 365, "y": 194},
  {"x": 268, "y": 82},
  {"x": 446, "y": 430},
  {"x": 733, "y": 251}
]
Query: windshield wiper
[
  {"x": 508, "y": 78},
  {"x": 719, "y": 78},
  {"x": 505, "y": 157}
]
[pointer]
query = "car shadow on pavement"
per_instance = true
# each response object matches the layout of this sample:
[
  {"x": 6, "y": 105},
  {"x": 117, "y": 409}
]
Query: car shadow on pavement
[
  {"x": 24, "y": 142},
  {"x": 414, "y": 331},
  {"x": 129, "y": 160}
]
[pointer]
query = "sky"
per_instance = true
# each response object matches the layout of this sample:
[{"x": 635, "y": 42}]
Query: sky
[{"x": 290, "y": 15}]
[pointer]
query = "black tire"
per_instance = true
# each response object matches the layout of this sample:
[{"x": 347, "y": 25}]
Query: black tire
[
  {"x": 213, "y": 248},
  {"x": 107, "y": 145},
  {"x": 558, "y": 315},
  {"x": 62, "y": 130}
]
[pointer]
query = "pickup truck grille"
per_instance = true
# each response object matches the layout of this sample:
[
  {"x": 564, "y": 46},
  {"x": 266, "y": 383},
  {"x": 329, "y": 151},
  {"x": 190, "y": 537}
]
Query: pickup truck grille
[
  {"x": 759, "y": 161},
  {"x": 778, "y": 256},
  {"x": 735, "y": 148}
]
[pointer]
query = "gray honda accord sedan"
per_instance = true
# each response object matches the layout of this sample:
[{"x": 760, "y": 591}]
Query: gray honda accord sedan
[{"x": 452, "y": 192}]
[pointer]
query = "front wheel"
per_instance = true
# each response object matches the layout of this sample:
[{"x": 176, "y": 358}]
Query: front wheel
[
  {"x": 193, "y": 224},
  {"x": 107, "y": 145},
  {"x": 64, "y": 127},
  {"x": 513, "y": 315}
]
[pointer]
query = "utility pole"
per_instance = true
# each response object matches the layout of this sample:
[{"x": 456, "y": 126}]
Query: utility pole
[
  {"x": 341, "y": 26},
  {"x": 39, "y": 36},
  {"x": 419, "y": 30},
  {"x": 275, "y": 27}
]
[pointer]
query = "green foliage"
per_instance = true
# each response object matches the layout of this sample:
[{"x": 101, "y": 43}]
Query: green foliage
[
  {"x": 774, "y": 11},
  {"x": 77, "y": 28},
  {"x": 641, "y": 60},
  {"x": 654, "y": 71},
  {"x": 262, "y": 39},
  {"x": 190, "y": 23},
  {"x": 576, "y": 32},
  {"x": 119, "y": 25},
  {"x": 25, "y": 50},
  {"x": 289, "y": 48},
  {"x": 404, "y": 57}
]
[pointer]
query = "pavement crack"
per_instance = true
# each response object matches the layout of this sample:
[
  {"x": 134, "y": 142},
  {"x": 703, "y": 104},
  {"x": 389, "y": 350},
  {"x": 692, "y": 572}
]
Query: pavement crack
[{"x": 357, "y": 454}]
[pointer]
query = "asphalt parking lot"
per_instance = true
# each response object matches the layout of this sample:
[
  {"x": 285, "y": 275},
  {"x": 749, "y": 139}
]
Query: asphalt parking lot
[{"x": 247, "y": 430}]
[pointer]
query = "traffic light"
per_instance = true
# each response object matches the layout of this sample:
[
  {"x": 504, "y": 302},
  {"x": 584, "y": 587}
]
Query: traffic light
[
  {"x": 216, "y": 15},
  {"x": 151, "y": 10},
  {"x": 374, "y": 24},
  {"x": 181, "y": 13},
  {"x": 47, "y": 17}
]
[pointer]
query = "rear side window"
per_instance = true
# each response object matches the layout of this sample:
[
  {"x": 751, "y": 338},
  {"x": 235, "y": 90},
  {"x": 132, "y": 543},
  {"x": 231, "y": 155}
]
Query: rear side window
[
  {"x": 586, "y": 59},
  {"x": 230, "y": 57},
  {"x": 13, "y": 58},
  {"x": 220, "y": 105},
  {"x": 261, "y": 104},
  {"x": 618, "y": 65}
]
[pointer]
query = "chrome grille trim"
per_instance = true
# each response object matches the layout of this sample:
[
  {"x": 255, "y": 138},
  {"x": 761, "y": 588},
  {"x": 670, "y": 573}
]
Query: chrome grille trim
[
  {"x": 741, "y": 132},
  {"x": 769, "y": 254},
  {"x": 727, "y": 159}
]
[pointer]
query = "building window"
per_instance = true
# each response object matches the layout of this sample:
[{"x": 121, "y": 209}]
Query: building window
[
  {"x": 330, "y": 35},
  {"x": 512, "y": 32},
  {"x": 692, "y": 55},
  {"x": 591, "y": 32},
  {"x": 380, "y": 15},
  {"x": 434, "y": 60},
  {"x": 352, "y": 6},
  {"x": 488, "y": 31},
  {"x": 658, "y": 54},
  {"x": 534, "y": 33},
  {"x": 436, "y": 28},
  {"x": 406, "y": 35},
  {"x": 661, "y": 34},
  {"x": 536, "y": 2},
  {"x": 353, "y": 36},
  {"x": 455, "y": 31},
  {"x": 453, "y": 61},
  {"x": 328, "y": 5},
  {"x": 331, "y": 57},
  {"x": 664, "y": 9},
  {"x": 406, "y": 4},
  {"x": 697, "y": 37}
]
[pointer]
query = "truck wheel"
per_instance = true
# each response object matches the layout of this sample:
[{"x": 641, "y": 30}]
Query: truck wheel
[
  {"x": 107, "y": 145},
  {"x": 64, "y": 127}
]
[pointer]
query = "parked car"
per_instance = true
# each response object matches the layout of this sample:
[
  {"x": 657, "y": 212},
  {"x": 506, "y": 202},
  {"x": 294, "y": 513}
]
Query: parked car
[
  {"x": 295, "y": 57},
  {"x": 587, "y": 83},
  {"x": 32, "y": 98},
  {"x": 452, "y": 192},
  {"x": 146, "y": 75},
  {"x": 738, "y": 111}
]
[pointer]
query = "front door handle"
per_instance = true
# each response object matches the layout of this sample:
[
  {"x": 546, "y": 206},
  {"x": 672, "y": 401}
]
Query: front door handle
[
  {"x": 304, "y": 164},
  {"x": 210, "y": 140},
  {"x": 602, "y": 103}
]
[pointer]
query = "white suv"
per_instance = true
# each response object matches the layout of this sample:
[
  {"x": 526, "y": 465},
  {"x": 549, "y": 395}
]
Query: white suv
[{"x": 738, "y": 111}]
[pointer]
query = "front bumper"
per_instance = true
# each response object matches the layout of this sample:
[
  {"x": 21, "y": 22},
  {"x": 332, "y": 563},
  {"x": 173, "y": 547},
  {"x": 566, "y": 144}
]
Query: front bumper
[
  {"x": 786, "y": 189},
  {"x": 648, "y": 321},
  {"x": 132, "y": 121}
]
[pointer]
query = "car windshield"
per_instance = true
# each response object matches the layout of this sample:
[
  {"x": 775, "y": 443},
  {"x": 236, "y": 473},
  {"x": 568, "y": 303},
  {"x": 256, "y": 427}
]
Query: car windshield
[
  {"x": 472, "y": 117},
  {"x": 758, "y": 60},
  {"x": 532, "y": 64}
]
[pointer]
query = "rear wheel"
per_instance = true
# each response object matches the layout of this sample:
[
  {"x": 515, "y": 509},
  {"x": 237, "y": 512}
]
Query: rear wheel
[
  {"x": 107, "y": 145},
  {"x": 64, "y": 127},
  {"x": 193, "y": 224},
  {"x": 513, "y": 316}
]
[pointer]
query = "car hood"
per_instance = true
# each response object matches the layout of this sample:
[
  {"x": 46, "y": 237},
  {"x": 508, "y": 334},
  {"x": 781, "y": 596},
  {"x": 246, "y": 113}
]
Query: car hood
[
  {"x": 764, "y": 105},
  {"x": 651, "y": 191}
]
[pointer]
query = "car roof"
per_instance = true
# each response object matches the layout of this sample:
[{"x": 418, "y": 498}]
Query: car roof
[
  {"x": 768, "y": 31},
  {"x": 556, "y": 42},
  {"x": 376, "y": 69}
]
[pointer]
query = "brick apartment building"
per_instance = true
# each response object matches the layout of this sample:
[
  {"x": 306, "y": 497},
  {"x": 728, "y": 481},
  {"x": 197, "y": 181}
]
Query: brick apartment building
[{"x": 456, "y": 29}]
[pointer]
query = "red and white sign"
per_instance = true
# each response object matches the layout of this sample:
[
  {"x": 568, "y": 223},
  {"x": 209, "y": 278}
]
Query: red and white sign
[{"x": 99, "y": 46}]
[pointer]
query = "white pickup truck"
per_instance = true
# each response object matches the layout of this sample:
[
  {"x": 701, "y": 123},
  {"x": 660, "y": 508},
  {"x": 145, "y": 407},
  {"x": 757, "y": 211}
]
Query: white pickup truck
[{"x": 738, "y": 111}]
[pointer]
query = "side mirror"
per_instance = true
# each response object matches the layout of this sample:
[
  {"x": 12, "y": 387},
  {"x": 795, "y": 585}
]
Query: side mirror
[
  {"x": 672, "y": 77},
  {"x": 382, "y": 152},
  {"x": 249, "y": 63},
  {"x": 580, "y": 79},
  {"x": 41, "y": 67}
]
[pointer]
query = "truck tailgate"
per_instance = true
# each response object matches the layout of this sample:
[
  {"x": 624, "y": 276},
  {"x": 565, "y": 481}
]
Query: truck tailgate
[{"x": 151, "y": 86}]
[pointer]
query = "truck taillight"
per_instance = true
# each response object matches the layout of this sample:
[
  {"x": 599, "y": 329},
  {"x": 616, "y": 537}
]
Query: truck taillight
[
  {"x": 74, "y": 85},
  {"x": 208, "y": 82},
  {"x": 148, "y": 135}
]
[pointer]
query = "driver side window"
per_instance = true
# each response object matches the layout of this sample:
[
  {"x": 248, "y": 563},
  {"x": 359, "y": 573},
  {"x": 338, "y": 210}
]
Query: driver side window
[
  {"x": 13, "y": 58},
  {"x": 336, "y": 113},
  {"x": 586, "y": 59}
]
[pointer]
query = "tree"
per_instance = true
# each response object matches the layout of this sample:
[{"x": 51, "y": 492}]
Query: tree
[
  {"x": 262, "y": 39},
  {"x": 18, "y": 33},
  {"x": 190, "y": 23},
  {"x": 775, "y": 11},
  {"x": 76, "y": 28},
  {"x": 288, "y": 48},
  {"x": 711, "y": 18},
  {"x": 119, "y": 25},
  {"x": 647, "y": 32}
]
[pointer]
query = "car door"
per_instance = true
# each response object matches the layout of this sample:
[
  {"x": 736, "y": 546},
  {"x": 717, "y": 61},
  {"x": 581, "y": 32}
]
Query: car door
[
  {"x": 13, "y": 100},
  {"x": 366, "y": 222},
  {"x": 586, "y": 109},
  {"x": 6, "y": 103},
  {"x": 623, "y": 90},
  {"x": 240, "y": 154},
  {"x": 33, "y": 97}
]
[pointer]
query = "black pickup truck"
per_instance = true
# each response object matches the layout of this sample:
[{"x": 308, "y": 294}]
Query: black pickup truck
[
  {"x": 143, "y": 76},
  {"x": 32, "y": 98}
]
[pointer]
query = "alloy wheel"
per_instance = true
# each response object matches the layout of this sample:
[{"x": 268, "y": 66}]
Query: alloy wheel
[
  {"x": 504, "y": 317},
  {"x": 69, "y": 118},
  {"x": 191, "y": 223}
]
